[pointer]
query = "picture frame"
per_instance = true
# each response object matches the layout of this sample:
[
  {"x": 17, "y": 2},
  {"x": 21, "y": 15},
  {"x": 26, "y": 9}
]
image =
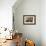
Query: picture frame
[{"x": 29, "y": 19}]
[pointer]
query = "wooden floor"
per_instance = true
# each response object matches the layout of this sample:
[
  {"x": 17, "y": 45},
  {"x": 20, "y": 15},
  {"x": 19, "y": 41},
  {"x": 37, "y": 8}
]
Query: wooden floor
[{"x": 9, "y": 43}]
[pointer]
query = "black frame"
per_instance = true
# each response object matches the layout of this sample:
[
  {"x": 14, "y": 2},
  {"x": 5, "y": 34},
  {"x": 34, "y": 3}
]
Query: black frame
[{"x": 33, "y": 19}]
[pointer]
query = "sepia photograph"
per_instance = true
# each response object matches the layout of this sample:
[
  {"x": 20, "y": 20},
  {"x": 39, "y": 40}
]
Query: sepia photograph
[{"x": 29, "y": 19}]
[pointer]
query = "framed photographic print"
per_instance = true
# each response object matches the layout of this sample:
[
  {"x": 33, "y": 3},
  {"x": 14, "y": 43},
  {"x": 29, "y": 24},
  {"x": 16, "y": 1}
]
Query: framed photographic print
[{"x": 29, "y": 19}]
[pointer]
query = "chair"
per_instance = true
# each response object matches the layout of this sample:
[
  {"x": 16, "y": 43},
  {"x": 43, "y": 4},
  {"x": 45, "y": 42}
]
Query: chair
[
  {"x": 29, "y": 43},
  {"x": 18, "y": 39}
]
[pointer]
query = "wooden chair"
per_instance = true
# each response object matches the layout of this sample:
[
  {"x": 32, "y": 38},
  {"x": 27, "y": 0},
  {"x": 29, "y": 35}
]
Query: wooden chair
[
  {"x": 18, "y": 37},
  {"x": 29, "y": 43}
]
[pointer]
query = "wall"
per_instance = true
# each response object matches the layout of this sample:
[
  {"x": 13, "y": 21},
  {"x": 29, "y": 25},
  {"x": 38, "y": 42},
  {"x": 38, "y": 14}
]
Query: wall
[
  {"x": 28, "y": 7},
  {"x": 43, "y": 22},
  {"x": 6, "y": 13}
]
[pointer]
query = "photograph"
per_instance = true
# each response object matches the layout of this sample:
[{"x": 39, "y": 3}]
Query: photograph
[{"x": 29, "y": 19}]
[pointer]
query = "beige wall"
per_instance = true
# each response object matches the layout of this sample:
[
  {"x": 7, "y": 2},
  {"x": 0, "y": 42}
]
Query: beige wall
[
  {"x": 28, "y": 7},
  {"x": 43, "y": 22}
]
